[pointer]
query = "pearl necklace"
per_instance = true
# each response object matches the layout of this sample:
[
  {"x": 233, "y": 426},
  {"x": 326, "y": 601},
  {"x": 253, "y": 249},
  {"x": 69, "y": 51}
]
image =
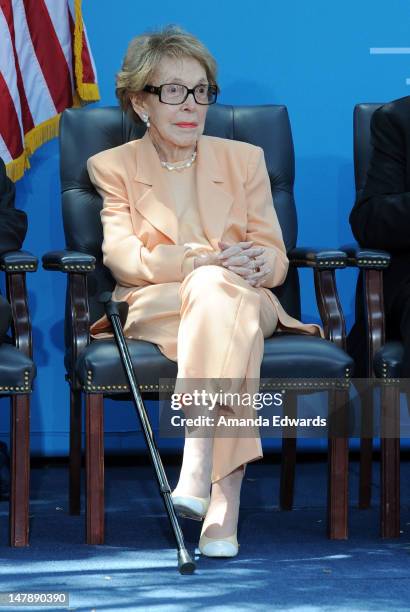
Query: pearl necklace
[{"x": 179, "y": 165}]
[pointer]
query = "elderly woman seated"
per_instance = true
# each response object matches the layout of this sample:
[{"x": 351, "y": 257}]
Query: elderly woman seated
[{"x": 193, "y": 241}]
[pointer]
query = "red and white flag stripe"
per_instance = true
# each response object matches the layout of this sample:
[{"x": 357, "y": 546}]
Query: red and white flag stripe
[{"x": 45, "y": 66}]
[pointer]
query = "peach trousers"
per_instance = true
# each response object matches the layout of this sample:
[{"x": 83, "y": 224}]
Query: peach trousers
[{"x": 214, "y": 323}]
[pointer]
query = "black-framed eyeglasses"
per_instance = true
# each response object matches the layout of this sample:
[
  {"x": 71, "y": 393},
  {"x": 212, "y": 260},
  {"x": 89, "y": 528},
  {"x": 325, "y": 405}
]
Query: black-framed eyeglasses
[{"x": 175, "y": 93}]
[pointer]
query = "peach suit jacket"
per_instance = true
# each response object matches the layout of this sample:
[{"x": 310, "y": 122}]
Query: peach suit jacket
[{"x": 140, "y": 223}]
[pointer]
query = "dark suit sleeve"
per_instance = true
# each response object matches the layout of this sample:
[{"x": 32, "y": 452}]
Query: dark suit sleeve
[
  {"x": 380, "y": 218},
  {"x": 13, "y": 222}
]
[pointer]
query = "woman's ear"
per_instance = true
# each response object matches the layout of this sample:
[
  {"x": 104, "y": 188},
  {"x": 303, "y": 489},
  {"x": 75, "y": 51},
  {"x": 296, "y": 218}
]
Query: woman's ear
[{"x": 138, "y": 106}]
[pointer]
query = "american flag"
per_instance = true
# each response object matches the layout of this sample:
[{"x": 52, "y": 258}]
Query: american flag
[{"x": 45, "y": 66}]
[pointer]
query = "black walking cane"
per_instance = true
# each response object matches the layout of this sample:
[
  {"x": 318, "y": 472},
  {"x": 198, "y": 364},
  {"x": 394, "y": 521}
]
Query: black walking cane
[{"x": 117, "y": 314}]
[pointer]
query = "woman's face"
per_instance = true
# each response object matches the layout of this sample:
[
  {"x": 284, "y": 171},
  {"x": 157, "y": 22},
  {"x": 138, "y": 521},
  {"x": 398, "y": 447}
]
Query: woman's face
[{"x": 177, "y": 125}]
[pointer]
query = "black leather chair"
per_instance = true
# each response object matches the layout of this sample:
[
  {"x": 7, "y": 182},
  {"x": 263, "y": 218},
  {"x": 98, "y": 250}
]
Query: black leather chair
[
  {"x": 17, "y": 372},
  {"x": 93, "y": 368},
  {"x": 382, "y": 356}
]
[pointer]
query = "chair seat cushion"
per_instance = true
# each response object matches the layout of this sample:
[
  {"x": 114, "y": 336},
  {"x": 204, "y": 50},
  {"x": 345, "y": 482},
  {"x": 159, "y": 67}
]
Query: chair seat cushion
[
  {"x": 387, "y": 360},
  {"x": 301, "y": 356},
  {"x": 99, "y": 367},
  {"x": 17, "y": 371},
  {"x": 286, "y": 356}
]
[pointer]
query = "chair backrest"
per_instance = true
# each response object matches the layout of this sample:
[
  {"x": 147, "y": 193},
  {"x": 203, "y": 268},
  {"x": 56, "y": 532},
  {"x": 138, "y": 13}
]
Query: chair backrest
[
  {"x": 85, "y": 132},
  {"x": 363, "y": 148}
]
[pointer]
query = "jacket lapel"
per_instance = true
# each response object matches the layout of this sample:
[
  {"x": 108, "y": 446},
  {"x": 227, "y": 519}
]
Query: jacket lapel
[
  {"x": 214, "y": 202},
  {"x": 155, "y": 203}
]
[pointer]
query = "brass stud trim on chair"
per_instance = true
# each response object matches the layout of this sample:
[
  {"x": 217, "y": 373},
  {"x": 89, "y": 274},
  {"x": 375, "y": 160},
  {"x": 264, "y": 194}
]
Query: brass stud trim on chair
[
  {"x": 89, "y": 387},
  {"x": 288, "y": 384},
  {"x": 331, "y": 263},
  {"x": 79, "y": 268},
  {"x": 12, "y": 268},
  {"x": 25, "y": 388},
  {"x": 343, "y": 383},
  {"x": 377, "y": 262},
  {"x": 390, "y": 380}
]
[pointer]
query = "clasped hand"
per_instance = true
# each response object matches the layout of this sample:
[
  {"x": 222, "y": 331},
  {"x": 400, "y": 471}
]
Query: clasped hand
[{"x": 242, "y": 258}]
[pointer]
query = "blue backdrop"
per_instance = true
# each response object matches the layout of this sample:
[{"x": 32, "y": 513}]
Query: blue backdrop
[{"x": 319, "y": 58}]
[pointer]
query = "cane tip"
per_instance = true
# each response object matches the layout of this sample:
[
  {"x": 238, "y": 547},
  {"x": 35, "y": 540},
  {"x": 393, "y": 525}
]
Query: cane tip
[{"x": 185, "y": 564}]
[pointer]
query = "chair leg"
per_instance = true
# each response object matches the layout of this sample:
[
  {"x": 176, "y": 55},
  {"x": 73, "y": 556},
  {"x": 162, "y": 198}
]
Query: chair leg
[
  {"x": 20, "y": 470},
  {"x": 75, "y": 452},
  {"x": 366, "y": 450},
  {"x": 390, "y": 463},
  {"x": 288, "y": 464},
  {"x": 95, "y": 468},
  {"x": 338, "y": 464},
  {"x": 365, "y": 478}
]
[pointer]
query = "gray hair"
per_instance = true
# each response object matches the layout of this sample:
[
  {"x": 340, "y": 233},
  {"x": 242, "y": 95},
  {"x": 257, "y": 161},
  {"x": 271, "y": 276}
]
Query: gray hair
[{"x": 145, "y": 53}]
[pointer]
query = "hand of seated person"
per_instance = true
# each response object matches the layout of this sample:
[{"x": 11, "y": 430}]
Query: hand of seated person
[
  {"x": 245, "y": 259},
  {"x": 241, "y": 258}
]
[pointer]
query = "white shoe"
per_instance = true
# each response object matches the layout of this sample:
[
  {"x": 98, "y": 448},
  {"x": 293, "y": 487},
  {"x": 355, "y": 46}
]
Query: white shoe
[
  {"x": 191, "y": 507},
  {"x": 215, "y": 547}
]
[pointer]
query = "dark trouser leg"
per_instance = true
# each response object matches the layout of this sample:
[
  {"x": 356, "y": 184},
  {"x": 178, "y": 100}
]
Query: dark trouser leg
[
  {"x": 5, "y": 317},
  {"x": 398, "y": 321}
]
